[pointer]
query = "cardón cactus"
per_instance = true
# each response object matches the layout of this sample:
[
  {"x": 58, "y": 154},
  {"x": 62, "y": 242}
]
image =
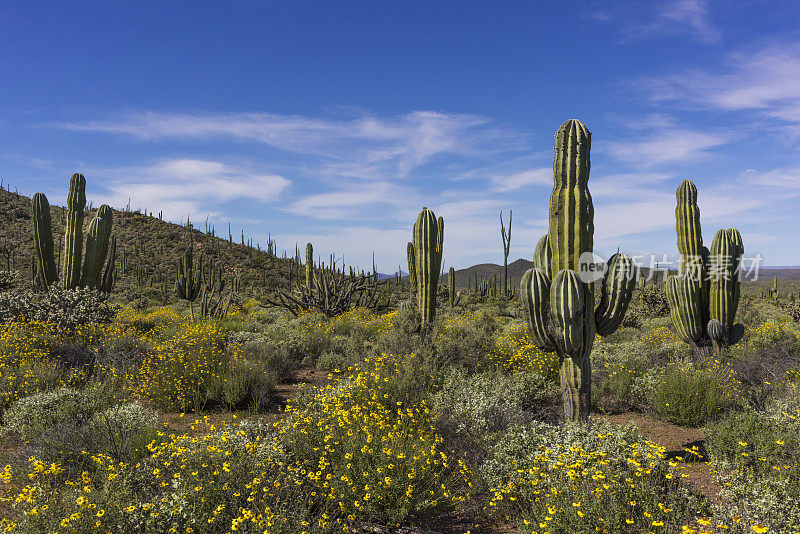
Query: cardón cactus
[
  {"x": 97, "y": 242},
  {"x": 559, "y": 309},
  {"x": 43, "y": 241},
  {"x": 704, "y": 296},
  {"x": 426, "y": 249}
]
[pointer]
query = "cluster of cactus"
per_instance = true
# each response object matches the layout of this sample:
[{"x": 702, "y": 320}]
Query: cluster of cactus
[
  {"x": 425, "y": 261},
  {"x": 194, "y": 283},
  {"x": 329, "y": 290},
  {"x": 773, "y": 292},
  {"x": 704, "y": 296},
  {"x": 78, "y": 269},
  {"x": 558, "y": 305}
]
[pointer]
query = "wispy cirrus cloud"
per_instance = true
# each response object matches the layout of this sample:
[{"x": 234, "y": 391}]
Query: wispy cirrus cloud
[
  {"x": 643, "y": 20},
  {"x": 183, "y": 186},
  {"x": 764, "y": 79},
  {"x": 668, "y": 145},
  {"x": 365, "y": 147}
]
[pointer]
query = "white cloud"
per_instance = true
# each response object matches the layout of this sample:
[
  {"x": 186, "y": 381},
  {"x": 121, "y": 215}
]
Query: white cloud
[
  {"x": 363, "y": 147},
  {"x": 666, "y": 146},
  {"x": 517, "y": 180},
  {"x": 765, "y": 79},
  {"x": 644, "y": 20},
  {"x": 187, "y": 186}
]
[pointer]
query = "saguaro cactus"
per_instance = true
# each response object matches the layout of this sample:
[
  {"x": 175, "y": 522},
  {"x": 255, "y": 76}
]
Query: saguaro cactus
[
  {"x": 506, "y": 248},
  {"x": 97, "y": 240},
  {"x": 560, "y": 309},
  {"x": 704, "y": 296},
  {"x": 426, "y": 249}
]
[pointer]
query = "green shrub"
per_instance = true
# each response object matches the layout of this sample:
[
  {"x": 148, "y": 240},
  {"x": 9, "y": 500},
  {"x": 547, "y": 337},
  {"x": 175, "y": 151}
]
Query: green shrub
[
  {"x": 491, "y": 401},
  {"x": 123, "y": 431},
  {"x": 583, "y": 478},
  {"x": 68, "y": 308},
  {"x": 691, "y": 396},
  {"x": 31, "y": 415},
  {"x": 244, "y": 384},
  {"x": 757, "y": 455}
]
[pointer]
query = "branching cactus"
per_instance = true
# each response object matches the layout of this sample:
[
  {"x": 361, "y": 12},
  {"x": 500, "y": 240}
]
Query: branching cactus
[
  {"x": 558, "y": 304},
  {"x": 426, "y": 249},
  {"x": 74, "y": 273},
  {"x": 704, "y": 296},
  {"x": 189, "y": 279}
]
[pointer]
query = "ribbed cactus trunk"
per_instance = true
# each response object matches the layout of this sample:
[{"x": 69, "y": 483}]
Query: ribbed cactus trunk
[
  {"x": 571, "y": 233},
  {"x": 703, "y": 298},
  {"x": 412, "y": 266},
  {"x": 428, "y": 236},
  {"x": 43, "y": 241},
  {"x": 97, "y": 240},
  {"x": 558, "y": 305},
  {"x": 309, "y": 265},
  {"x": 451, "y": 286},
  {"x": 73, "y": 232}
]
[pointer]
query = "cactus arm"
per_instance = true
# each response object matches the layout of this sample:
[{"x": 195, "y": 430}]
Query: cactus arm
[
  {"x": 542, "y": 256},
  {"x": 97, "y": 239},
  {"x": 412, "y": 268},
  {"x": 43, "y": 241},
  {"x": 683, "y": 296},
  {"x": 73, "y": 232},
  {"x": 534, "y": 295},
  {"x": 616, "y": 292}
]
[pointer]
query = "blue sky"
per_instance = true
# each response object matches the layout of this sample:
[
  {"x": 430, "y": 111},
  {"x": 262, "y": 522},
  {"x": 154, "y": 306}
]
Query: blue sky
[{"x": 335, "y": 122}]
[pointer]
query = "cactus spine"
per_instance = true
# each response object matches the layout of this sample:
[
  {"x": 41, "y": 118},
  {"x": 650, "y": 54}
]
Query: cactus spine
[
  {"x": 559, "y": 309},
  {"x": 73, "y": 232},
  {"x": 428, "y": 237},
  {"x": 43, "y": 241},
  {"x": 704, "y": 296}
]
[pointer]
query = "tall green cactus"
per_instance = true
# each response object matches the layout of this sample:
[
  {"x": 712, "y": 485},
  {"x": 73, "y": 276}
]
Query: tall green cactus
[
  {"x": 309, "y": 265},
  {"x": 73, "y": 233},
  {"x": 412, "y": 267},
  {"x": 43, "y": 241},
  {"x": 704, "y": 296},
  {"x": 74, "y": 273},
  {"x": 451, "y": 286},
  {"x": 559, "y": 309},
  {"x": 189, "y": 278},
  {"x": 428, "y": 237},
  {"x": 97, "y": 241}
]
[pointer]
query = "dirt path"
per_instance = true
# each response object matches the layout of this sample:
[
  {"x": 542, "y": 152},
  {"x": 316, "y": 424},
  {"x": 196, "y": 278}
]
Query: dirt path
[{"x": 677, "y": 440}]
